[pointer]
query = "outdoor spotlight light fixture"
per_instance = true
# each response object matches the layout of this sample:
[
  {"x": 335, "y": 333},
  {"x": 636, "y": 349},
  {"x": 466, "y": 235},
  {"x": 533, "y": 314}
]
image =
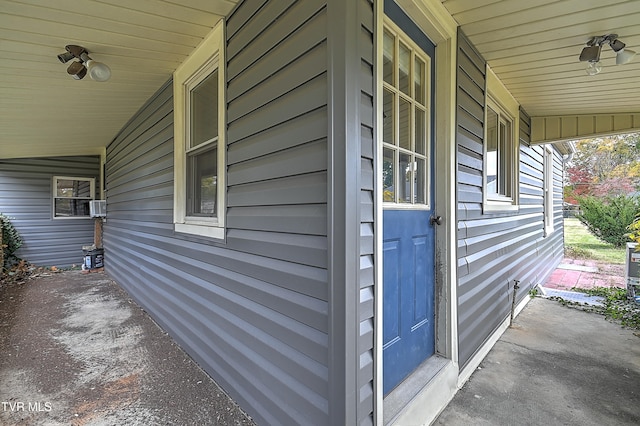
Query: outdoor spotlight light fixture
[
  {"x": 591, "y": 53},
  {"x": 622, "y": 56},
  {"x": 78, "y": 69}
]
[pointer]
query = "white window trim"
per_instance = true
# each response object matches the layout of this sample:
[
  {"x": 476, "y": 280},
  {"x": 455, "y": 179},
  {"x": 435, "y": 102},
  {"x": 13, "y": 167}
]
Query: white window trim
[
  {"x": 499, "y": 99},
  {"x": 547, "y": 168},
  {"x": 92, "y": 189},
  {"x": 209, "y": 54}
]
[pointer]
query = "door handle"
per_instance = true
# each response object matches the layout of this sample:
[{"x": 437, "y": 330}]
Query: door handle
[{"x": 435, "y": 220}]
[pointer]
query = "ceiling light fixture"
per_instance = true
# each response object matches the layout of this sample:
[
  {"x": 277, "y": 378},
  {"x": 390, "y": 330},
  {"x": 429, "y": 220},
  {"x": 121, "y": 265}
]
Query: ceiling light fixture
[
  {"x": 78, "y": 69},
  {"x": 591, "y": 53}
]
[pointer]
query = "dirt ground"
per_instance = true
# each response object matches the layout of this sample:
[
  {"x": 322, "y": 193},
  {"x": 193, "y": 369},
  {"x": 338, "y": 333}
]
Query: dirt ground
[{"x": 75, "y": 350}]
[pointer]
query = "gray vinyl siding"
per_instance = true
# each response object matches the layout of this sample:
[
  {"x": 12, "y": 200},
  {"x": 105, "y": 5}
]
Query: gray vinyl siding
[
  {"x": 254, "y": 310},
  {"x": 497, "y": 248},
  {"x": 259, "y": 311},
  {"x": 366, "y": 394},
  {"x": 26, "y": 191}
]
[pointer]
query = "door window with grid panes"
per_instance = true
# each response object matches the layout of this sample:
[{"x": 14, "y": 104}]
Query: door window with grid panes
[{"x": 406, "y": 124}]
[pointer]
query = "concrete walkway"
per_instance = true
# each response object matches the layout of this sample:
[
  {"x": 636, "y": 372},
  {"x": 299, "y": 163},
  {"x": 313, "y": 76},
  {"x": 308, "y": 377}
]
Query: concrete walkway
[
  {"x": 556, "y": 366},
  {"x": 75, "y": 350}
]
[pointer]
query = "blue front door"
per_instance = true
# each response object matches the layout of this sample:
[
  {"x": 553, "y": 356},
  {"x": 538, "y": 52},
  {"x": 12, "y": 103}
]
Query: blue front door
[{"x": 408, "y": 181}]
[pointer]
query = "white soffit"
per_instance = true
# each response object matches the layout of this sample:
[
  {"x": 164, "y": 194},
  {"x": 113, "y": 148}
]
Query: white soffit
[
  {"x": 45, "y": 112},
  {"x": 533, "y": 47},
  {"x": 563, "y": 128}
]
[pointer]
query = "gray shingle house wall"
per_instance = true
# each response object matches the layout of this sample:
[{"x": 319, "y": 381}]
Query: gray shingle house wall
[
  {"x": 26, "y": 196},
  {"x": 496, "y": 249},
  {"x": 264, "y": 311}
]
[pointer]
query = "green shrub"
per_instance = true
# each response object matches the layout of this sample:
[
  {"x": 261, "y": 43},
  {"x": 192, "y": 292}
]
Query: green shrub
[
  {"x": 11, "y": 241},
  {"x": 608, "y": 218},
  {"x": 617, "y": 306},
  {"x": 634, "y": 235}
]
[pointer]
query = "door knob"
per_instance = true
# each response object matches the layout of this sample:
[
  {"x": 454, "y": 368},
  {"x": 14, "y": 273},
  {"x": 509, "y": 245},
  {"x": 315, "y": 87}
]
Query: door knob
[{"x": 435, "y": 220}]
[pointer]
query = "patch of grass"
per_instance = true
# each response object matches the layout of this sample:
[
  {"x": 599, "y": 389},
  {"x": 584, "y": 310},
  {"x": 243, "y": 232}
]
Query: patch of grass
[
  {"x": 580, "y": 243},
  {"x": 577, "y": 252}
]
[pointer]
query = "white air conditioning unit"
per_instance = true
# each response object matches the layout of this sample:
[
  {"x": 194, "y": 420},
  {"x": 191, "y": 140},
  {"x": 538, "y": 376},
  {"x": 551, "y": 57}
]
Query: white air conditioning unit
[{"x": 98, "y": 208}]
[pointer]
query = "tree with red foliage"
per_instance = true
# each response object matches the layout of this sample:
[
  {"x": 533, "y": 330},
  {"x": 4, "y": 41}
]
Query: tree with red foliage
[
  {"x": 602, "y": 167},
  {"x": 580, "y": 183}
]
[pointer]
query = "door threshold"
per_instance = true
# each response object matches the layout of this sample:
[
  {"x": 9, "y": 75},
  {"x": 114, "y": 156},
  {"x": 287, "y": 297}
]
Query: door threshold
[{"x": 412, "y": 387}]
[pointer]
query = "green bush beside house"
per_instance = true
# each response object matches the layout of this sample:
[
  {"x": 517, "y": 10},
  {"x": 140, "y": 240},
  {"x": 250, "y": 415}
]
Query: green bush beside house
[
  {"x": 11, "y": 242},
  {"x": 609, "y": 218}
]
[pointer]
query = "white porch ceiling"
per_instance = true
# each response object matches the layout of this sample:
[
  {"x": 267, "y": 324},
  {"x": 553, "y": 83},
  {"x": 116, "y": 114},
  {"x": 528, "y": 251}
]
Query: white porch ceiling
[
  {"x": 532, "y": 45},
  {"x": 43, "y": 111}
]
